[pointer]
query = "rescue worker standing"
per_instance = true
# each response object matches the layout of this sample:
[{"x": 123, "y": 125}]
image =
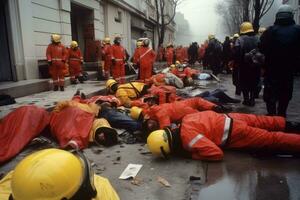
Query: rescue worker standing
[
  {"x": 144, "y": 57},
  {"x": 281, "y": 46},
  {"x": 170, "y": 54},
  {"x": 75, "y": 61},
  {"x": 118, "y": 58},
  {"x": 55, "y": 174},
  {"x": 106, "y": 52},
  {"x": 203, "y": 135},
  {"x": 249, "y": 74},
  {"x": 56, "y": 56}
]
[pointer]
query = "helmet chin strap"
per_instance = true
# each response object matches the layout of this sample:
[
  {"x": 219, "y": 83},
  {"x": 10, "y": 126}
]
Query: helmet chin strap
[{"x": 164, "y": 153}]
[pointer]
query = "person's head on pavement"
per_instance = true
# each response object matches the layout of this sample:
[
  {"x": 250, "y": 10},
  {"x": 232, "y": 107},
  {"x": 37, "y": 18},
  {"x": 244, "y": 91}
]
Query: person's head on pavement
[
  {"x": 53, "y": 174},
  {"x": 111, "y": 86},
  {"x": 103, "y": 133}
]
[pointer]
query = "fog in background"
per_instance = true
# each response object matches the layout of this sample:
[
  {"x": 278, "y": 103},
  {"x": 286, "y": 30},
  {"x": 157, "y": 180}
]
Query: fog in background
[{"x": 203, "y": 20}]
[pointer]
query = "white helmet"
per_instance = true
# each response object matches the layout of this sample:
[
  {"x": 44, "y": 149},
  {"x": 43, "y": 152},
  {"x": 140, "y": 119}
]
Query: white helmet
[{"x": 285, "y": 11}]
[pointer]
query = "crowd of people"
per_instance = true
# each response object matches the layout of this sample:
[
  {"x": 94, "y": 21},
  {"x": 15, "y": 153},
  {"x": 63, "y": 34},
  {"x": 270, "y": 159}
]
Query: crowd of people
[{"x": 151, "y": 109}]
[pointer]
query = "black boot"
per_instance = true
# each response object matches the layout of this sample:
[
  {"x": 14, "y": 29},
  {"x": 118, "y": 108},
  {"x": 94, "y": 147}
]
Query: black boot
[
  {"x": 62, "y": 88},
  {"x": 80, "y": 78},
  {"x": 292, "y": 127},
  {"x": 55, "y": 88},
  {"x": 73, "y": 82}
]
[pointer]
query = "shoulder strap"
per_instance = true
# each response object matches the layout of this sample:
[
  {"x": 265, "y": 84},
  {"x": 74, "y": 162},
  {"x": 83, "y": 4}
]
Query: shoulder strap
[{"x": 136, "y": 90}]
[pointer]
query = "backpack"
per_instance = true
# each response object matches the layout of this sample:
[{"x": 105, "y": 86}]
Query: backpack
[{"x": 253, "y": 58}]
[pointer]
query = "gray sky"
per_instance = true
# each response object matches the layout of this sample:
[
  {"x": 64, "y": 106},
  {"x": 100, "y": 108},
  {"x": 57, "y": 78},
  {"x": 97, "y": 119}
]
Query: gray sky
[{"x": 202, "y": 17}]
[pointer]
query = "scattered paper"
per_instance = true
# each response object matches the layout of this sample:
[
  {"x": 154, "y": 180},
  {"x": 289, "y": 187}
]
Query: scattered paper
[
  {"x": 131, "y": 171},
  {"x": 163, "y": 181}
]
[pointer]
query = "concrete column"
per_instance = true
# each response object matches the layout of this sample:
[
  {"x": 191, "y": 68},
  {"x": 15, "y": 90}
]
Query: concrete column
[
  {"x": 26, "y": 25},
  {"x": 65, "y": 21}
]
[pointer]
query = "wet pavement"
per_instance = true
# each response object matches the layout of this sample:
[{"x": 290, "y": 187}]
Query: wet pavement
[{"x": 240, "y": 176}]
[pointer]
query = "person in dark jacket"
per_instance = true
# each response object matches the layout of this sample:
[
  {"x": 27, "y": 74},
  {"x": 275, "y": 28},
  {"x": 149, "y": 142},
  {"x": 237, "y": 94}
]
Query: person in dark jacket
[
  {"x": 226, "y": 54},
  {"x": 248, "y": 74},
  {"x": 281, "y": 45},
  {"x": 213, "y": 54}
]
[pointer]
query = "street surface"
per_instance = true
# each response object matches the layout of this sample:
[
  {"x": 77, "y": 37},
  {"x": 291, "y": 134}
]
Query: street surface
[{"x": 240, "y": 176}]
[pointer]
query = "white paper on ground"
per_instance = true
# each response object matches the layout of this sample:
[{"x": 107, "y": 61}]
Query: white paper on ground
[{"x": 131, "y": 171}]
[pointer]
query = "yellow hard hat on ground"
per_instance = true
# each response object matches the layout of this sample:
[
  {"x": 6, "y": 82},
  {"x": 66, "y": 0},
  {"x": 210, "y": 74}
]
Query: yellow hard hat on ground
[
  {"x": 74, "y": 44},
  {"x": 55, "y": 38},
  {"x": 159, "y": 142},
  {"x": 53, "y": 174},
  {"x": 107, "y": 40},
  {"x": 103, "y": 133},
  {"x": 136, "y": 113},
  {"x": 246, "y": 27},
  {"x": 109, "y": 83}
]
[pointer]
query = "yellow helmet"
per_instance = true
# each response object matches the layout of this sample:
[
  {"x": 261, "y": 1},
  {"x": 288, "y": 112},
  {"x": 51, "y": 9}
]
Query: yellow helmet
[
  {"x": 135, "y": 112},
  {"x": 55, "y": 38},
  {"x": 139, "y": 43},
  {"x": 52, "y": 174},
  {"x": 246, "y": 27},
  {"x": 109, "y": 83},
  {"x": 107, "y": 40},
  {"x": 74, "y": 44},
  {"x": 159, "y": 142},
  {"x": 211, "y": 36},
  {"x": 236, "y": 35},
  {"x": 109, "y": 135}
]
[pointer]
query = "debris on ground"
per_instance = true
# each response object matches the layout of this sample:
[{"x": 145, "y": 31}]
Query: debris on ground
[
  {"x": 131, "y": 171},
  {"x": 163, "y": 181},
  {"x": 136, "y": 181}
]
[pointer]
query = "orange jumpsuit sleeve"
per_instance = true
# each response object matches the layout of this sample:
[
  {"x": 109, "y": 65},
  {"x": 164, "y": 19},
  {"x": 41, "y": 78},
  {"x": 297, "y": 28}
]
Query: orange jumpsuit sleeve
[
  {"x": 200, "y": 104},
  {"x": 163, "y": 119},
  {"x": 204, "y": 149}
]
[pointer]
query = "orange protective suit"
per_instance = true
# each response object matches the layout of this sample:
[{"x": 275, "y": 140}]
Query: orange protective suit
[
  {"x": 187, "y": 72},
  {"x": 118, "y": 57},
  {"x": 56, "y": 55},
  {"x": 180, "y": 54},
  {"x": 170, "y": 55},
  {"x": 19, "y": 127},
  {"x": 168, "y": 113},
  {"x": 144, "y": 57},
  {"x": 165, "y": 93},
  {"x": 75, "y": 60},
  {"x": 107, "y": 53},
  {"x": 205, "y": 133},
  {"x": 157, "y": 80}
]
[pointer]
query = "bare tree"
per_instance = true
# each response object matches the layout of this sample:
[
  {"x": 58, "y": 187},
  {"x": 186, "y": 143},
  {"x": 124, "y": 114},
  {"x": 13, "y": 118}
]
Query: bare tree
[
  {"x": 235, "y": 12},
  {"x": 260, "y": 8},
  {"x": 164, "y": 17}
]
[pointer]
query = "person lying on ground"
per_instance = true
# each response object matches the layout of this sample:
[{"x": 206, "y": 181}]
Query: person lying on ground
[
  {"x": 204, "y": 135},
  {"x": 76, "y": 124},
  {"x": 55, "y": 174}
]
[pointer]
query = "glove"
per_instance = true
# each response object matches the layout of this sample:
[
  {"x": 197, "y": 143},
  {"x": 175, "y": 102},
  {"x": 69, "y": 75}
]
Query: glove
[{"x": 221, "y": 109}]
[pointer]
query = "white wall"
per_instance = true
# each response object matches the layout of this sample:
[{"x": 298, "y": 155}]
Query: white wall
[{"x": 41, "y": 18}]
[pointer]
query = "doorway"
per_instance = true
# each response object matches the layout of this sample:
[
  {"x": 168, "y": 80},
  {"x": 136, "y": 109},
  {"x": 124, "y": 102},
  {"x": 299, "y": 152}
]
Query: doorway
[
  {"x": 6, "y": 73},
  {"x": 83, "y": 30}
]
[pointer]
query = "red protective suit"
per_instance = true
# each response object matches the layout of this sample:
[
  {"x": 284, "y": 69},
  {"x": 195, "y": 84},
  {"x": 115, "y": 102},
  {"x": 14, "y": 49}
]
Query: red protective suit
[
  {"x": 168, "y": 113},
  {"x": 157, "y": 80},
  {"x": 160, "y": 56},
  {"x": 187, "y": 72},
  {"x": 144, "y": 57},
  {"x": 185, "y": 54},
  {"x": 75, "y": 60},
  {"x": 205, "y": 133},
  {"x": 107, "y": 53},
  {"x": 94, "y": 99},
  {"x": 72, "y": 124},
  {"x": 56, "y": 55},
  {"x": 165, "y": 93},
  {"x": 180, "y": 54},
  {"x": 170, "y": 55},
  {"x": 118, "y": 65},
  {"x": 19, "y": 127}
]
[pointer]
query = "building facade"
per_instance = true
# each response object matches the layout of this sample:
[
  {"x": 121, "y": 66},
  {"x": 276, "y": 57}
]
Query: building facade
[{"x": 28, "y": 25}]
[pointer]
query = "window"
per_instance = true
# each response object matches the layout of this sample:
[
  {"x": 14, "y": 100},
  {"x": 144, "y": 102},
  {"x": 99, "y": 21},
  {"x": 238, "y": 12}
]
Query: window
[{"x": 118, "y": 18}]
